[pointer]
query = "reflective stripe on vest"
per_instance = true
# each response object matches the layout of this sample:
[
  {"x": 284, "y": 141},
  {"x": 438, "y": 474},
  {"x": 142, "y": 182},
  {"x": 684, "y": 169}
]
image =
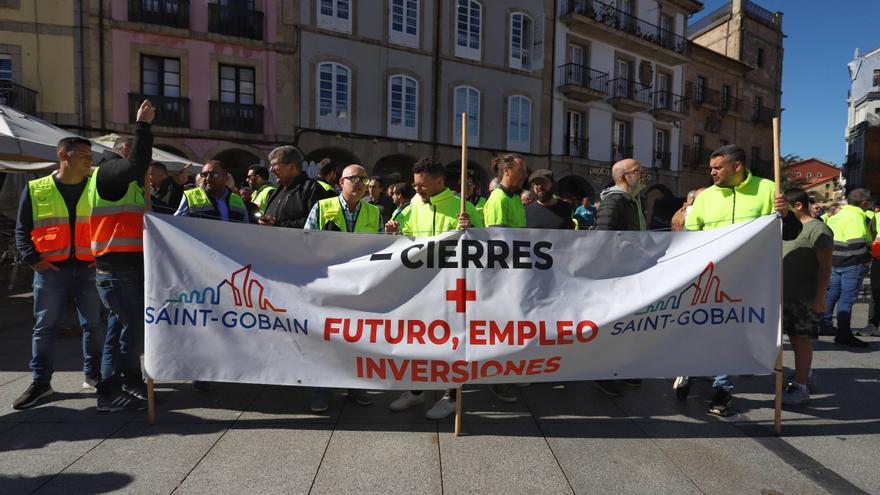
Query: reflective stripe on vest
[
  {"x": 851, "y": 236},
  {"x": 51, "y": 231},
  {"x": 199, "y": 204},
  {"x": 116, "y": 226},
  {"x": 330, "y": 209}
]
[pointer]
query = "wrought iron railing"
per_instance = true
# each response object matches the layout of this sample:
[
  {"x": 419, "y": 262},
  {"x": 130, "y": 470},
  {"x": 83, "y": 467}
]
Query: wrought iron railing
[
  {"x": 584, "y": 77},
  {"x": 174, "y": 13},
  {"x": 236, "y": 117},
  {"x": 624, "y": 21},
  {"x": 629, "y": 89},
  {"x": 170, "y": 112},
  {"x": 235, "y": 21},
  {"x": 577, "y": 147},
  {"x": 667, "y": 100},
  {"x": 17, "y": 96}
]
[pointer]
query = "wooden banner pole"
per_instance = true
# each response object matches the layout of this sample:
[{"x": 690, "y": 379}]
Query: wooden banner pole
[
  {"x": 777, "y": 176},
  {"x": 151, "y": 402},
  {"x": 463, "y": 182}
]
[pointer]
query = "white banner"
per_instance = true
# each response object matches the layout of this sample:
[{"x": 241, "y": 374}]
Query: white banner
[{"x": 247, "y": 303}]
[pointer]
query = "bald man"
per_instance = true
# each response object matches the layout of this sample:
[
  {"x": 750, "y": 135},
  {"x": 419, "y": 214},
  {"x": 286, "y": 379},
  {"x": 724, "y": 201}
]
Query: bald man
[
  {"x": 345, "y": 213},
  {"x": 620, "y": 208}
]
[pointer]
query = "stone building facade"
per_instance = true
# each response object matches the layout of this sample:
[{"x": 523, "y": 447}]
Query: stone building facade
[{"x": 862, "y": 133}]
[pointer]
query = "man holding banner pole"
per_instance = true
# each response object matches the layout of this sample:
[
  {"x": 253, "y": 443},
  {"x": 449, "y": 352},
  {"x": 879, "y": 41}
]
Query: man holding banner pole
[
  {"x": 439, "y": 212},
  {"x": 736, "y": 196},
  {"x": 345, "y": 213}
]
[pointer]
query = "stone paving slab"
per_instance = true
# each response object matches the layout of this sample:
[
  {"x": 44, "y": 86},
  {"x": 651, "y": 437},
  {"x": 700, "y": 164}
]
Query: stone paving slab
[
  {"x": 30, "y": 454},
  {"x": 509, "y": 459},
  {"x": 157, "y": 458},
  {"x": 721, "y": 460},
  {"x": 276, "y": 458},
  {"x": 615, "y": 459},
  {"x": 390, "y": 459}
]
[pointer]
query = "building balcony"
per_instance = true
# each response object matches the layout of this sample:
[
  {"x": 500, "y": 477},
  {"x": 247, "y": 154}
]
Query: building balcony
[
  {"x": 234, "y": 21},
  {"x": 170, "y": 112},
  {"x": 621, "y": 151},
  {"x": 236, "y": 117},
  {"x": 762, "y": 167},
  {"x": 703, "y": 97},
  {"x": 853, "y": 159},
  {"x": 668, "y": 106},
  {"x": 695, "y": 157},
  {"x": 762, "y": 114},
  {"x": 606, "y": 23},
  {"x": 173, "y": 13},
  {"x": 629, "y": 96},
  {"x": 582, "y": 83},
  {"x": 730, "y": 104},
  {"x": 18, "y": 97},
  {"x": 662, "y": 160},
  {"x": 577, "y": 147}
]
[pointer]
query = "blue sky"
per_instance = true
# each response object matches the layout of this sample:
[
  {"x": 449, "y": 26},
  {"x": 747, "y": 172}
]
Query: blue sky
[{"x": 821, "y": 39}]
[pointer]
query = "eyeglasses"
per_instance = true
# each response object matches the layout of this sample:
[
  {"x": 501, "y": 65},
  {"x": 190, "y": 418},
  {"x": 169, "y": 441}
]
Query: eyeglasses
[
  {"x": 206, "y": 175},
  {"x": 357, "y": 179}
]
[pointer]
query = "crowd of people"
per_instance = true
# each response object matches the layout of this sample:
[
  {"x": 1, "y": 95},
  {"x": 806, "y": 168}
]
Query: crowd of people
[{"x": 82, "y": 233}]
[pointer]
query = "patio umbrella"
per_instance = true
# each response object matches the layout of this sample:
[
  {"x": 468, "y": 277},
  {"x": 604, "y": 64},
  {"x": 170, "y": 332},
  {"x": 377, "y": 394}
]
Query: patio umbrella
[
  {"x": 25, "y": 138},
  {"x": 172, "y": 161}
]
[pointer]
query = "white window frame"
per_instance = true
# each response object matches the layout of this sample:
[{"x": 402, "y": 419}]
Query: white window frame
[
  {"x": 467, "y": 50},
  {"x": 334, "y": 120},
  {"x": 574, "y": 130},
  {"x": 403, "y": 37},
  {"x": 459, "y": 106},
  {"x": 517, "y": 106},
  {"x": 401, "y": 130},
  {"x": 333, "y": 21},
  {"x": 520, "y": 46}
]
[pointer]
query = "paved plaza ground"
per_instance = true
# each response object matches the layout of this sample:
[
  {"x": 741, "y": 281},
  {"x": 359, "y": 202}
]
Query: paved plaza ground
[{"x": 558, "y": 438}]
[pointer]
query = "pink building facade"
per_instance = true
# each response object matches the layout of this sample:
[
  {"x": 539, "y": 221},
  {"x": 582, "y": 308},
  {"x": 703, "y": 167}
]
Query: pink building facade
[{"x": 211, "y": 69}]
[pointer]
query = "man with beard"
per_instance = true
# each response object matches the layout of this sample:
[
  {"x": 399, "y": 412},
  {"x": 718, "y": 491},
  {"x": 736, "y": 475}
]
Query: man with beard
[{"x": 547, "y": 212}]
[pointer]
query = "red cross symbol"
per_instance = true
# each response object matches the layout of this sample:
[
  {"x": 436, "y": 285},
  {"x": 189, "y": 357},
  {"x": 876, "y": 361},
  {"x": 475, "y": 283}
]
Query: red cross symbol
[{"x": 460, "y": 295}]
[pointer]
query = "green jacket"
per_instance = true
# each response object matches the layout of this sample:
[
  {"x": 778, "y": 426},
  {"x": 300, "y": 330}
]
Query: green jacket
[
  {"x": 852, "y": 236},
  {"x": 721, "y": 206},
  {"x": 438, "y": 215},
  {"x": 261, "y": 196},
  {"x": 504, "y": 209}
]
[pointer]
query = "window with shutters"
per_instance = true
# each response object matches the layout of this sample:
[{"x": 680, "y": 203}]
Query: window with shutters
[
  {"x": 403, "y": 24},
  {"x": 468, "y": 18},
  {"x": 334, "y": 96},
  {"x": 467, "y": 99},
  {"x": 519, "y": 118},
  {"x": 403, "y": 107},
  {"x": 521, "y": 28},
  {"x": 335, "y": 15},
  {"x": 160, "y": 76}
]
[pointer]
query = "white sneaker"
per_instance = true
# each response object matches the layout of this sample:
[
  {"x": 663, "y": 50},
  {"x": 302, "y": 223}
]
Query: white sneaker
[
  {"x": 868, "y": 330},
  {"x": 873, "y": 330},
  {"x": 794, "y": 395},
  {"x": 407, "y": 400},
  {"x": 443, "y": 408}
]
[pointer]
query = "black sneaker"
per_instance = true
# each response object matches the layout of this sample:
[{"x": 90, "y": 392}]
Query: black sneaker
[
  {"x": 138, "y": 391},
  {"x": 608, "y": 387},
  {"x": 720, "y": 405},
  {"x": 120, "y": 401},
  {"x": 35, "y": 392},
  {"x": 503, "y": 392},
  {"x": 682, "y": 387},
  {"x": 850, "y": 341}
]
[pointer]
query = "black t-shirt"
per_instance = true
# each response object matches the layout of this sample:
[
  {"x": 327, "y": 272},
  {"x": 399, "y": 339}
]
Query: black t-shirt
[{"x": 558, "y": 216}]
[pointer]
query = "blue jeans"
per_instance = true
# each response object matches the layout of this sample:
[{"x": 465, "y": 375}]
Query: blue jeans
[
  {"x": 51, "y": 292},
  {"x": 122, "y": 292},
  {"x": 842, "y": 291}
]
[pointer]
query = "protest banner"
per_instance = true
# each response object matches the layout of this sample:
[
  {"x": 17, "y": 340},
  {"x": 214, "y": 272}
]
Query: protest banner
[{"x": 293, "y": 307}]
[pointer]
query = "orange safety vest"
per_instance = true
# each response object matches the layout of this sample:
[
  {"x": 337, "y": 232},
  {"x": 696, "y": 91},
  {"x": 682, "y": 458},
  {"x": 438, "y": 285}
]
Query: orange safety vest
[
  {"x": 51, "y": 231},
  {"x": 116, "y": 226}
]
